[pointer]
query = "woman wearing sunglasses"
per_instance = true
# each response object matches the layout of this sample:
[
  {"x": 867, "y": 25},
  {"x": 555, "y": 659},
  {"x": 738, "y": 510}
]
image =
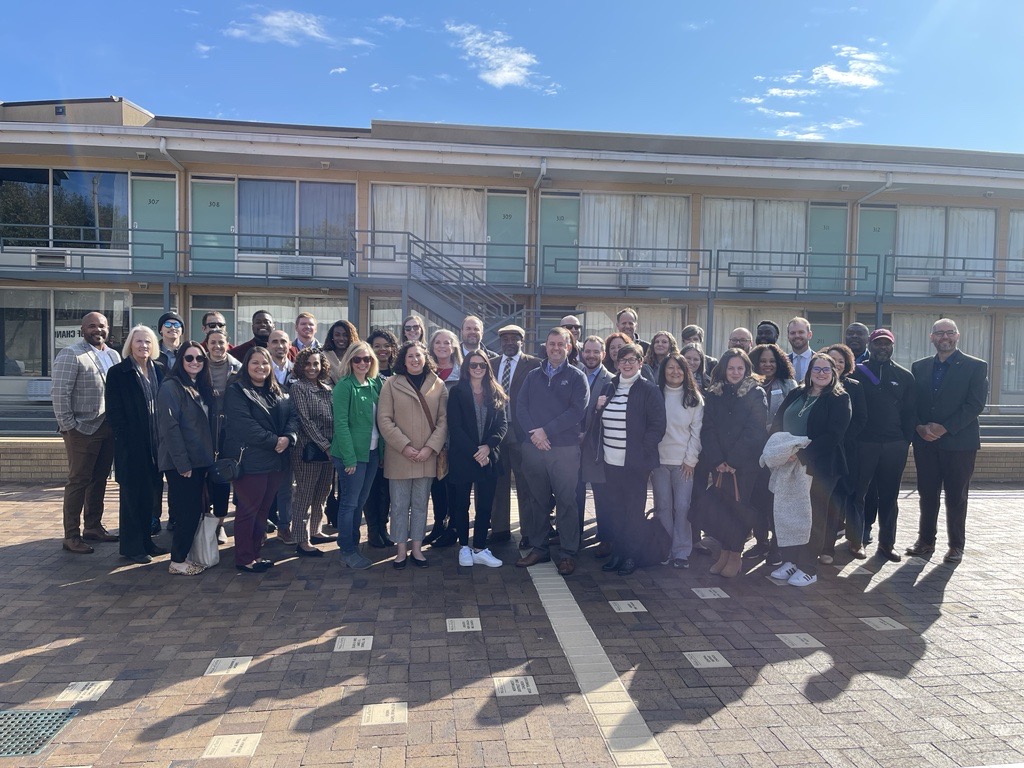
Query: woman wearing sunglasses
[
  {"x": 819, "y": 410},
  {"x": 184, "y": 407},
  {"x": 356, "y": 447},
  {"x": 476, "y": 425}
]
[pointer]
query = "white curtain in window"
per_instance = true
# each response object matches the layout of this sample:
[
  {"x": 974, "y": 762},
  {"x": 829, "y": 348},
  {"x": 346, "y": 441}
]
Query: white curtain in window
[
  {"x": 1013, "y": 354},
  {"x": 913, "y": 335},
  {"x": 971, "y": 243},
  {"x": 780, "y": 232},
  {"x": 606, "y": 229},
  {"x": 662, "y": 230},
  {"x": 1015, "y": 251},
  {"x": 922, "y": 233},
  {"x": 457, "y": 222},
  {"x": 266, "y": 215},
  {"x": 727, "y": 225},
  {"x": 396, "y": 209}
]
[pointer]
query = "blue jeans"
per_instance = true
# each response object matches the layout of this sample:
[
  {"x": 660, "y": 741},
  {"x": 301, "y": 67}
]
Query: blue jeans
[
  {"x": 672, "y": 494},
  {"x": 352, "y": 493}
]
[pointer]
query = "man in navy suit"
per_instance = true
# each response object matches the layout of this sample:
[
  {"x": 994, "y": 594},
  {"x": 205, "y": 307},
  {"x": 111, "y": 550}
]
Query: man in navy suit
[{"x": 951, "y": 392}]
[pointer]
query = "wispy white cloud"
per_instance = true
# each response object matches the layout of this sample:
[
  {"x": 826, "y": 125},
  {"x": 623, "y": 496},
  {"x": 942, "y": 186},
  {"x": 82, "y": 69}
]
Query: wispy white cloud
[
  {"x": 862, "y": 69},
  {"x": 358, "y": 42},
  {"x": 793, "y": 77},
  {"x": 777, "y": 113},
  {"x": 696, "y": 26},
  {"x": 752, "y": 99},
  {"x": 286, "y": 27},
  {"x": 816, "y": 131},
  {"x": 189, "y": 11},
  {"x": 444, "y": 77},
  {"x": 790, "y": 93},
  {"x": 500, "y": 64},
  {"x": 203, "y": 50},
  {"x": 338, "y": 71},
  {"x": 394, "y": 21},
  {"x": 381, "y": 88}
]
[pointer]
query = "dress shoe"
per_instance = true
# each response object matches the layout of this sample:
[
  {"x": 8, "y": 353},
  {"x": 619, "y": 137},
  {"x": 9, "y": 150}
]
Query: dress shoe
[
  {"x": 885, "y": 554},
  {"x": 499, "y": 537},
  {"x": 98, "y": 534},
  {"x": 322, "y": 539},
  {"x": 270, "y": 527},
  {"x": 435, "y": 533},
  {"x": 612, "y": 565},
  {"x": 308, "y": 552},
  {"x": 627, "y": 567},
  {"x": 826, "y": 559},
  {"x": 446, "y": 539},
  {"x": 329, "y": 530},
  {"x": 400, "y": 564},
  {"x": 954, "y": 555},
  {"x": 532, "y": 558},
  {"x": 77, "y": 546},
  {"x": 285, "y": 537},
  {"x": 155, "y": 527},
  {"x": 733, "y": 565},
  {"x": 376, "y": 541},
  {"x": 566, "y": 566},
  {"x": 602, "y": 550},
  {"x": 524, "y": 543},
  {"x": 920, "y": 549},
  {"x": 756, "y": 552},
  {"x": 256, "y": 567},
  {"x": 420, "y": 563},
  {"x": 859, "y": 553},
  {"x": 140, "y": 559},
  {"x": 156, "y": 551}
]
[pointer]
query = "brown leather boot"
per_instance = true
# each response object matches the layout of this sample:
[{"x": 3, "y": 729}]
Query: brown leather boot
[
  {"x": 723, "y": 560},
  {"x": 733, "y": 565},
  {"x": 76, "y": 545}
]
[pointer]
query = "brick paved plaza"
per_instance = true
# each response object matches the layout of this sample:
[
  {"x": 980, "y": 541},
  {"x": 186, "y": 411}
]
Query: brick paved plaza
[{"x": 913, "y": 664}]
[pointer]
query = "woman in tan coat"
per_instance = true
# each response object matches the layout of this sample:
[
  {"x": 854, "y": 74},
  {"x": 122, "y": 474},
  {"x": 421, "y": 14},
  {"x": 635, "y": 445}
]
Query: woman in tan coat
[{"x": 412, "y": 419}]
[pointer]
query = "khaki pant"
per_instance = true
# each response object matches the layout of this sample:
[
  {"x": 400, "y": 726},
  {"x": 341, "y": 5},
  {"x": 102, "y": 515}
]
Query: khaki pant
[{"x": 89, "y": 460}]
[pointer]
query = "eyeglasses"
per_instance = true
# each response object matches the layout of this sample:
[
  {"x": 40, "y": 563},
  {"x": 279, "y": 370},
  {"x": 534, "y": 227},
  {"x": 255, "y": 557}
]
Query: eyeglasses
[
  {"x": 573, "y": 327},
  {"x": 736, "y": 342},
  {"x": 950, "y": 334},
  {"x": 477, "y": 366},
  {"x": 630, "y": 361},
  {"x": 193, "y": 358},
  {"x": 820, "y": 369},
  {"x": 363, "y": 360},
  {"x": 215, "y": 325},
  {"x": 172, "y": 324}
]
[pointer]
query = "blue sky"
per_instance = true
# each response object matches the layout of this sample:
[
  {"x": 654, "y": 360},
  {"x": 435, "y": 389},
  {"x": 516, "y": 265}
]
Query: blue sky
[{"x": 945, "y": 73}]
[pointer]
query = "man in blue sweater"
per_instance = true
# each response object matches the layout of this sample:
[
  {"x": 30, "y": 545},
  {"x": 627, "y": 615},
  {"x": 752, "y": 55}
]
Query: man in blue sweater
[{"x": 550, "y": 408}]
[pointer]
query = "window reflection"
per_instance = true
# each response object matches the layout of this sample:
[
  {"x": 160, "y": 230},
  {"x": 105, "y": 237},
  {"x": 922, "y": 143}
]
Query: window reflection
[{"x": 90, "y": 209}]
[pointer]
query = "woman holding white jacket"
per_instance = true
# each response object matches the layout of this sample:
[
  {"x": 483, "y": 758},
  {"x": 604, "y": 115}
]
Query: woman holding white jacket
[{"x": 678, "y": 451}]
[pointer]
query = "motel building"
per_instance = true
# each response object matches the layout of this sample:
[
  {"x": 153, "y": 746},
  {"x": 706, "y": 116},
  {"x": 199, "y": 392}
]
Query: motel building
[{"x": 106, "y": 206}]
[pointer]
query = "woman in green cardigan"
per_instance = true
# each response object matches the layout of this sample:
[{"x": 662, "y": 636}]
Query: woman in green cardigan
[{"x": 356, "y": 447}]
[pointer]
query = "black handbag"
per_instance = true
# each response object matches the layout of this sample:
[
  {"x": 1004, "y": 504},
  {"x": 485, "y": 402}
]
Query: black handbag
[
  {"x": 225, "y": 471},
  {"x": 313, "y": 453}
]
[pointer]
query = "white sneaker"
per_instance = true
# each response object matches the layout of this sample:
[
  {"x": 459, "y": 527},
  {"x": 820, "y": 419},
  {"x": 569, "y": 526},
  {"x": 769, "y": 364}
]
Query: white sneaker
[
  {"x": 801, "y": 579},
  {"x": 484, "y": 557},
  {"x": 784, "y": 571},
  {"x": 466, "y": 556}
]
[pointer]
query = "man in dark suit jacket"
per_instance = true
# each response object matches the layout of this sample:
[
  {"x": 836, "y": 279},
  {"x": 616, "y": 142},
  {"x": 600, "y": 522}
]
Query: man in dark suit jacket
[
  {"x": 951, "y": 392},
  {"x": 510, "y": 370}
]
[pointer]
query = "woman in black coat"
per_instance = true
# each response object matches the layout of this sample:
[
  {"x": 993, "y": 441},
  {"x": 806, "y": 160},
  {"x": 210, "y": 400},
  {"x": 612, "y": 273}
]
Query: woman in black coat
[
  {"x": 628, "y": 422},
  {"x": 185, "y": 408},
  {"x": 261, "y": 426},
  {"x": 821, "y": 411},
  {"x": 476, "y": 425},
  {"x": 732, "y": 437},
  {"x": 131, "y": 393}
]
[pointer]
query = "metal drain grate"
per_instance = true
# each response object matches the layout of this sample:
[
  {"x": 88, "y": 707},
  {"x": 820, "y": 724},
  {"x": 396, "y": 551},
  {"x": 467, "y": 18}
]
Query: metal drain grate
[{"x": 28, "y": 732}]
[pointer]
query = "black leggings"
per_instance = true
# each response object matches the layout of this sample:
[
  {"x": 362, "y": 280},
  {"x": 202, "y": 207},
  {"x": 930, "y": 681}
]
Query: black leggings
[{"x": 187, "y": 507}]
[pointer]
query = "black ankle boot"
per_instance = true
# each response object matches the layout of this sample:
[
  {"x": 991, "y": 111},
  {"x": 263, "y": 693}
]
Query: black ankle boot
[{"x": 613, "y": 564}]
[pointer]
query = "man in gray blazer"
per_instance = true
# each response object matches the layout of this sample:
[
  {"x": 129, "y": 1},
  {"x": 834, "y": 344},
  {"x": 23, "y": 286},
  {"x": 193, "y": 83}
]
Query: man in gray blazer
[
  {"x": 951, "y": 392},
  {"x": 79, "y": 379}
]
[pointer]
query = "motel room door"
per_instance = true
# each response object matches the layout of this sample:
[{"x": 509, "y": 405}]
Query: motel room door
[{"x": 213, "y": 228}]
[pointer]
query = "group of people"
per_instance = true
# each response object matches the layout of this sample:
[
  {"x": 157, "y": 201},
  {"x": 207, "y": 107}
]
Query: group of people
[{"x": 792, "y": 449}]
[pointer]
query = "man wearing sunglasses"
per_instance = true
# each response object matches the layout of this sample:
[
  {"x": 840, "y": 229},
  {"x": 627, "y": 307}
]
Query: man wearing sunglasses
[
  {"x": 951, "y": 392},
  {"x": 171, "y": 330}
]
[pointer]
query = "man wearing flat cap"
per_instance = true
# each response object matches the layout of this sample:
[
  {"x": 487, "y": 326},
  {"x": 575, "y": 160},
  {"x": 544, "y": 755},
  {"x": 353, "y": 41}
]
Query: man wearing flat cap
[
  {"x": 572, "y": 324},
  {"x": 883, "y": 444},
  {"x": 510, "y": 369}
]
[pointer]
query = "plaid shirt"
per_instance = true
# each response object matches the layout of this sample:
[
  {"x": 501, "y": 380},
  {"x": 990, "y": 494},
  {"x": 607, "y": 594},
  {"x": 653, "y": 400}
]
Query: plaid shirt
[{"x": 79, "y": 378}]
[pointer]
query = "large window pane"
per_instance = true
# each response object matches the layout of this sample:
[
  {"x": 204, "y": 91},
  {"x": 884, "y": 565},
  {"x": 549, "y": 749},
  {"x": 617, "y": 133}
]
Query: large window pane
[
  {"x": 266, "y": 216},
  {"x": 24, "y": 207},
  {"x": 1013, "y": 354},
  {"x": 69, "y": 307},
  {"x": 327, "y": 216},
  {"x": 922, "y": 233},
  {"x": 90, "y": 209},
  {"x": 971, "y": 243},
  {"x": 23, "y": 320}
]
